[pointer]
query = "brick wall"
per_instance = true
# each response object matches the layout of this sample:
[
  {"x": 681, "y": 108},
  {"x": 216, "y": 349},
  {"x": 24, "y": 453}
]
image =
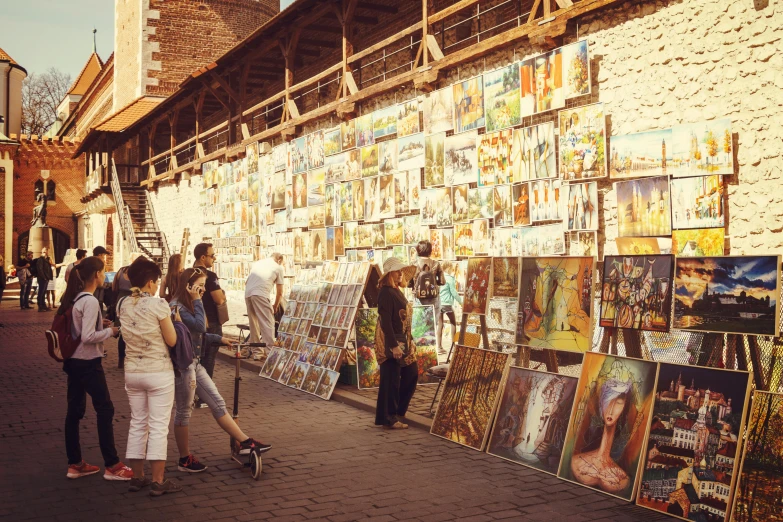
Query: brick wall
[{"x": 127, "y": 51}]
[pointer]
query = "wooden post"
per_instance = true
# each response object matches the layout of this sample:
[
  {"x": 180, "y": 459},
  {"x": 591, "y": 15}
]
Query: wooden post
[
  {"x": 243, "y": 98},
  {"x": 151, "y": 135},
  {"x": 606, "y": 339},
  {"x": 349, "y": 7},
  {"x": 199, "y": 104},
  {"x": 755, "y": 358},
  {"x": 425, "y": 24},
  {"x": 173, "y": 139},
  {"x": 633, "y": 344}
]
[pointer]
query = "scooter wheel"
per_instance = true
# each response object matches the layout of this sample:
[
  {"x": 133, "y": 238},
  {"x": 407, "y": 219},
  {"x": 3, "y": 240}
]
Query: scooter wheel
[{"x": 255, "y": 465}]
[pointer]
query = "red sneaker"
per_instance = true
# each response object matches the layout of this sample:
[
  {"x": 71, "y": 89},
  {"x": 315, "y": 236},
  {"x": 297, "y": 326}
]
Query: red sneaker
[
  {"x": 81, "y": 469},
  {"x": 118, "y": 472}
]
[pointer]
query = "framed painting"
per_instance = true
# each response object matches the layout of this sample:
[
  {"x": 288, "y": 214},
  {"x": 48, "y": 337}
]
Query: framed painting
[
  {"x": 348, "y": 134},
  {"x": 505, "y": 277},
  {"x": 470, "y": 395},
  {"x": 353, "y": 164},
  {"x": 582, "y": 206},
  {"x": 299, "y": 187},
  {"x": 705, "y": 242},
  {"x": 546, "y": 202},
  {"x": 372, "y": 200},
  {"x": 368, "y": 373},
  {"x": 410, "y": 152},
  {"x": 636, "y": 292},
  {"x": 502, "y": 98},
  {"x": 481, "y": 236},
  {"x": 384, "y": 122},
  {"x": 583, "y": 244},
  {"x": 641, "y": 155},
  {"x": 423, "y": 335},
  {"x": 556, "y": 303},
  {"x": 520, "y": 192},
  {"x": 408, "y": 120},
  {"x": 576, "y": 69},
  {"x": 401, "y": 193},
  {"x": 532, "y": 418},
  {"x": 386, "y": 196},
  {"x": 582, "y": 142},
  {"x": 297, "y": 155},
  {"x": 605, "y": 442},
  {"x": 730, "y": 294},
  {"x": 412, "y": 229},
  {"x": 469, "y": 105},
  {"x": 480, "y": 203},
  {"x": 541, "y": 83},
  {"x": 494, "y": 157},
  {"x": 357, "y": 188},
  {"x": 436, "y": 208},
  {"x": 279, "y": 157},
  {"x": 369, "y": 161},
  {"x": 477, "y": 283},
  {"x": 315, "y": 187},
  {"x": 460, "y": 165},
  {"x": 698, "y": 202},
  {"x": 332, "y": 142},
  {"x": 326, "y": 384},
  {"x": 364, "y": 131},
  {"x": 702, "y": 148},
  {"x": 439, "y": 111},
  {"x": 393, "y": 229},
  {"x": 690, "y": 463},
  {"x": 502, "y": 323},
  {"x": 335, "y": 168},
  {"x": 434, "y": 167},
  {"x": 447, "y": 248},
  {"x": 644, "y": 207},
  {"x": 533, "y": 153}
]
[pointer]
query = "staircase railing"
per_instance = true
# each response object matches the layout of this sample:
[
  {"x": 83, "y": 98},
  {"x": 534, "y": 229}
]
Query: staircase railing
[
  {"x": 122, "y": 210},
  {"x": 164, "y": 244}
]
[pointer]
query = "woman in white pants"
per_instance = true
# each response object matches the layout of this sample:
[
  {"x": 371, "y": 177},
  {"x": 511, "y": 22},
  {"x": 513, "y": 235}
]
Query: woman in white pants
[{"x": 146, "y": 326}]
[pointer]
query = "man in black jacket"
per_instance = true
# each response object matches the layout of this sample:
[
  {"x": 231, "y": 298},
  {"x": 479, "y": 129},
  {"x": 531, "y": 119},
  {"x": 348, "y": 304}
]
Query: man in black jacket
[{"x": 44, "y": 273}]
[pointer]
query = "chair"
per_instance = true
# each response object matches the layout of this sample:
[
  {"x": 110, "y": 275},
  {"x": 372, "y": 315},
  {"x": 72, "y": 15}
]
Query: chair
[
  {"x": 440, "y": 372},
  {"x": 244, "y": 333}
]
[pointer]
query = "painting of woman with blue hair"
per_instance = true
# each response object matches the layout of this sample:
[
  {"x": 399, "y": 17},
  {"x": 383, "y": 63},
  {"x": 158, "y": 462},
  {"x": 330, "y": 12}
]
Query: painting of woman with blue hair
[{"x": 608, "y": 424}]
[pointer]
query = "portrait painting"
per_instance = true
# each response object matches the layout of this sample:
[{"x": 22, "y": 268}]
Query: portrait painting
[
  {"x": 477, "y": 283},
  {"x": 353, "y": 164},
  {"x": 439, "y": 111},
  {"x": 604, "y": 444},
  {"x": 331, "y": 215},
  {"x": 582, "y": 206},
  {"x": 357, "y": 188},
  {"x": 299, "y": 193},
  {"x": 369, "y": 161},
  {"x": 505, "y": 277},
  {"x": 408, "y": 118},
  {"x": 704, "y": 242},
  {"x": 434, "y": 167},
  {"x": 384, "y": 122},
  {"x": 372, "y": 202},
  {"x": 502, "y": 206},
  {"x": 730, "y": 294},
  {"x": 364, "y": 131},
  {"x": 410, "y": 152},
  {"x": 470, "y": 395},
  {"x": 636, "y": 292},
  {"x": 532, "y": 418},
  {"x": 494, "y": 157},
  {"x": 348, "y": 134},
  {"x": 423, "y": 335},
  {"x": 582, "y": 142},
  {"x": 702, "y": 148},
  {"x": 460, "y": 197},
  {"x": 698, "y": 202},
  {"x": 556, "y": 303},
  {"x": 386, "y": 196},
  {"x": 469, "y": 105},
  {"x": 502, "y": 98},
  {"x": 644, "y": 207},
  {"x": 332, "y": 142},
  {"x": 641, "y": 155},
  {"x": 541, "y": 83},
  {"x": 521, "y": 197},
  {"x": 460, "y": 159}
]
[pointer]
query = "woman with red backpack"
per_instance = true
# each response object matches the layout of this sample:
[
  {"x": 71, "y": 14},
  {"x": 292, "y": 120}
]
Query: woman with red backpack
[{"x": 85, "y": 372}]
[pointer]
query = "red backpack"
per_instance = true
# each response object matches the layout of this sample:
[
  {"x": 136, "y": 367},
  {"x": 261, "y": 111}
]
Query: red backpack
[{"x": 62, "y": 344}]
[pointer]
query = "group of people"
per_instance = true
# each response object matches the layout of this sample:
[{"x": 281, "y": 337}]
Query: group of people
[{"x": 170, "y": 334}]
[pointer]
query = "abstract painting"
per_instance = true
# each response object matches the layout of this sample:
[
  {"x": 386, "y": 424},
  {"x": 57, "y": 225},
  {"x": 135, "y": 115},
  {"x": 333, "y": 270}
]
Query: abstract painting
[
  {"x": 698, "y": 202},
  {"x": 434, "y": 165},
  {"x": 604, "y": 444},
  {"x": 423, "y": 335},
  {"x": 640, "y": 155},
  {"x": 470, "y": 395},
  {"x": 501, "y": 93},
  {"x": 505, "y": 277},
  {"x": 468, "y": 105},
  {"x": 555, "y": 303},
  {"x": 761, "y": 474},
  {"x": 732, "y": 294},
  {"x": 703, "y": 242},
  {"x": 532, "y": 419},
  {"x": 582, "y": 142},
  {"x": 410, "y": 152},
  {"x": 692, "y": 453},
  {"x": 368, "y": 374},
  {"x": 636, "y": 292},
  {"x": 542, "y": 83},
  {"x": 384, "y": 122},
  {"x": 477, "y": 285},
  {"x": 533, "y": 153},
  {"x": 494, "y": 157},
  {"x": 460, "y": 159},
  {"x": 644, "y": 207},
  {"x": 702, "y": 148},
  {"x": 502, "y": 324},
  {"x": 439, "y": 111},
  {"x": 582, "y": 206},
  {"x": 546, "y": 200},
  {"x": 408, "y": 118}
]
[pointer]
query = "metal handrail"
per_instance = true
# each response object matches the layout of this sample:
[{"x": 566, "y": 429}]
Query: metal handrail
[
  {"x": 122, "y": 209},
  {"x": 163, "y": 242}
]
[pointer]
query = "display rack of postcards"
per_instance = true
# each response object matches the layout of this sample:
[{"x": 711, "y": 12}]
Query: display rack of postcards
[
  {"x": 313, "y": 333},
  {"x": 233, "y": 257}
]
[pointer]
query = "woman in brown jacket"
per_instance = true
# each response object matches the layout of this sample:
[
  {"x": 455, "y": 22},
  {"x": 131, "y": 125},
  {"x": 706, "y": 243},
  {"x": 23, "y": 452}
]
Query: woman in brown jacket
[{"x": 394, "y": 348}]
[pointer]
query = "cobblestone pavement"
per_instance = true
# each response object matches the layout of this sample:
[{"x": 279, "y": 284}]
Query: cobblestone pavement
[{"x": 328, "y": 463}]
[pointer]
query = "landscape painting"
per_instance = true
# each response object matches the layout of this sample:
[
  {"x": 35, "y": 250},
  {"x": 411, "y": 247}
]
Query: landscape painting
[
  {"x": 332, "y": 142},
  {"x": 423, "y": 335},
  {"x": 384, "y": 122},
  {"x": 501, "y": 98},
  {"x": 582, "y": 142},
  {"x": 408, "y": 118},
  {"x": 644, "y": 207},
  {"x": 636, "y": 292},
  {"x": 532, "y": 419},
  {"x": 703, "y": 242},
  {"x": 731, "y": 294},
  {"x": 410, "y": 152},
  {"x": 604, "y": 445},
  {"x": 505, "y": 277},
  {"x": 640, "y": 155},
  {"x": 439, "y": 111},
  {"x": 582, "y": 206},
  {"x": 470, "y": 395},
  {"x": 533, "y": 153},
  {"x": 555, "y": 303},
  {"x": 434, "y": 165},
  {"x": 477, "y": 284},
  {"x": 702, "y": 148},
  {"x": 698, "y": 202},
  {"x": 368, "y": 374},
  {"x": 761, "y": 474},
  {"x": 460, "y": 159},
  {"x": 469, "y": 105},
  {"x": 692, "y": 454}
]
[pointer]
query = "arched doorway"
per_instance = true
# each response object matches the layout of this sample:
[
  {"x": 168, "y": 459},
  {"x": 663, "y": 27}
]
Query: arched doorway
[{"x": 62, "y": 242}]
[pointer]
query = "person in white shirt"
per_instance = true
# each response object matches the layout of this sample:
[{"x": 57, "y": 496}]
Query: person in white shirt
[
  {"x": 85, "y": 372},
  {"x": 264, "y": 276}
]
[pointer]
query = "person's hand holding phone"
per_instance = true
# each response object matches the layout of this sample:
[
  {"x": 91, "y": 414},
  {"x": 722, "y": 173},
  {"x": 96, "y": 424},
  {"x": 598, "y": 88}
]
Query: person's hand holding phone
[{"x": 195, "y": 291}]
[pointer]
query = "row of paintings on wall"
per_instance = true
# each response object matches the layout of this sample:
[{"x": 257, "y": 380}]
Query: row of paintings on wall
[{"x": 667, "y": 435}]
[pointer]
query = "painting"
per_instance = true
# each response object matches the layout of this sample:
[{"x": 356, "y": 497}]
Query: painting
[
  {"x": 447, "y": 246},
  {"x": 502, "y": 324},
  {"x": 502, "y": 98},
  {"x": 480, "y": 203},
  {"x": 604, "y": 444},
  {"x": 332, "y": 142},
  {"x": 582, "y": 142},
  {"x": 297, "y": 155},
  {"x": 691, "y": 458},
  {"x": 546, "y": 200},
  {"x": 412, "y": 229},
  {"x": 371, "y": 199},
  {"x": 583, "y": 244},
  {"x": 541, "y": 83},
  {"x": 704, "y": 242},
  {"x": 387, "y": 157},
  {"x": 434, "y": 165},
  {"x": 436, "y": 207},
  {"x": 731, "y": 294},
  {"x": 702, "y": 148},
  {"x": 423, "y": 335},
  {"x": 299, "y": 187},
  {"x": 761, "y": 473},
  {"x": 368, "y": 375},
  {"x": 439, "y": 111},
  {"x": 556, "y": 302},
  {"x": 470, "y": 395},
  {"x": 532, "y": 419},
  {"x": 533, "y": 153},
  {"x": 384, "y": 122},
  {"x": 357, "y": 189},
  {"x": 279, "y": 157},
  {"x": 582, "y": 206},
  {"x": 468, "y": 105},
  {"x": 312, "y": 378},
  {"x": 481, "y": 237},
  {"x": 477, "y": 285},
  {"x": 314, "y": 148},
  {"x": 315, "y": 187},
  {"x": 576, "y": 69},
  {"x": 251, "y": 158},
  {"x": 494, "y": 157},
  {"x": 298, "y": 374},
  {"x": 386, "y": 196},
  {"x": 641, "y": 154},
  {"x": 393, "y": 229},
  {"x": 505, "y": 277},
  {"x": 460, "y": 200},
  {"x": 463, "y": 239},
  {"x": 369, "y": 161},
  {"x": 460, "y": 159},
  {"x": 644, "y": 207},
  {"x": 521, "y": 196},
  {"x": 502, "y": 206},
  {"x": 408, "y": 118},
  {"x": 401, "y": 193},
  {"x": 637, "y": 246},
  {"x": 364, "y": 131},
  {"x": 636, "y": 292},
  {"x": 698, "y": 202},
  {"x": 326, "y": 384},
  {"x": 410, "y": 152},
  {"x": 348, "y": 134}
]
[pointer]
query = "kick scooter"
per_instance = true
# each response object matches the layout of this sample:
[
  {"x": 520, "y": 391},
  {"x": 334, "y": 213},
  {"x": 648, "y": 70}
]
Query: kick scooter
[{"x": 253, "y": 459}]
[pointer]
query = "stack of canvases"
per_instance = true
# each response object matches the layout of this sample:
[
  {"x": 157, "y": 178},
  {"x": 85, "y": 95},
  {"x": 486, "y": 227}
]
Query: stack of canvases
[
  {"x": 313, "y": 332},
  {"x": 667, "y": 435}
]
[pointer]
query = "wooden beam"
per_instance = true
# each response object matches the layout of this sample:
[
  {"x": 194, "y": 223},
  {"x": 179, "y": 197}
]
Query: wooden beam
[
  {"x": 319, "y": 43},
  {"x": 451, "y": 10},
  {"x": 381, "y": 8},
  {"x": 325, "y": 29},
  {"x": 563, "y": 4},
  {"x": 318, "y": 77},
  {"x": 425, "y": 27},
  {"x": 215, "y": 95},
  {"x": 226, "y": 87},
  {"x": 434, "y": 48},
  {"x": 350, "y": 83},
  {"x": 371, "y": 20},
  {"x": 533, "y": 11},
  {"x": 292, "y": 109},
  {"x": 385, "y": 42}
]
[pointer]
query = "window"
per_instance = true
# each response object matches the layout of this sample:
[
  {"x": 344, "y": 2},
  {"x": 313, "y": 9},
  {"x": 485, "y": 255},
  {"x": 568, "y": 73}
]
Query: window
[{"x": 51, "y": 189}]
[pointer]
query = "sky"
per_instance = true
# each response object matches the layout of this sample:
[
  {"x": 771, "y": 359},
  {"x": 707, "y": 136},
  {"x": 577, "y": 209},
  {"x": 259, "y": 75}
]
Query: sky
[
  {"x": 40, "y": 34},
  {"x": 285, "y": 3}
]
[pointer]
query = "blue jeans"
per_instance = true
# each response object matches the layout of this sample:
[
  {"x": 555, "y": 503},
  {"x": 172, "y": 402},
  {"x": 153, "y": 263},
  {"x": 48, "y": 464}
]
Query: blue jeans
[
  {"x": 24, "y": 293},
  {"x": 195, "y": 378}
]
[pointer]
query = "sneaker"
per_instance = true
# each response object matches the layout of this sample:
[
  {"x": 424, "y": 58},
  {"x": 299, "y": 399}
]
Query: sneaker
[
  {"x": 164, "y": 487},
  {"x": 190, "y": 464},
  {"x": 81, "y": 469},
  {"x": 137, "y": 484},
  {"x": 118, "y": 472},
  {"x": 251, "y": 444},
  {"x": 200, "y": 404}
]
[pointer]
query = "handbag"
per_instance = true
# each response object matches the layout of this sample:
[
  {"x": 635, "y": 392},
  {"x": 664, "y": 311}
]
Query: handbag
[{"x": 222, "y": 310}]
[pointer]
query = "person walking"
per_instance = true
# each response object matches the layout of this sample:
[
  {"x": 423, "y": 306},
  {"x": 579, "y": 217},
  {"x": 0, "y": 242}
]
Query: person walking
[
  {"x": 25, "y": 275},
  {"x": 213, "y": 298},
  {"x": 426, "y": 285},
  {"x": 149, "y": 376},
  {"x": 85, "y": 374},
  {"x": 44, "y": 274},
  {"x": 265, "y": 275},
  {"x": 80, "y": 253},
  {"x": 448, "y": 295},
  {"x": 192, "y": 378},
  {"x": 170, "y": 282},
  {"x": 394, "y": 347}
]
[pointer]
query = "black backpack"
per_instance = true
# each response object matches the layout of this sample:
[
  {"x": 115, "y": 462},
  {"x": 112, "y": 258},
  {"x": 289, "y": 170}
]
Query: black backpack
[
  {"x": 426, "y": 286},
  {"x": 33, "y": 267}
]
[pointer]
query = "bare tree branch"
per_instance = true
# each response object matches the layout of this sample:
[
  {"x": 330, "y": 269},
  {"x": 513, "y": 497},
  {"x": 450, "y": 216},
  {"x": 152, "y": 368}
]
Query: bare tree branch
[{"x": 41, "y": 94}]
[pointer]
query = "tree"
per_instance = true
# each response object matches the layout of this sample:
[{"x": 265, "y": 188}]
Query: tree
[{"x": 41, "y": 94}]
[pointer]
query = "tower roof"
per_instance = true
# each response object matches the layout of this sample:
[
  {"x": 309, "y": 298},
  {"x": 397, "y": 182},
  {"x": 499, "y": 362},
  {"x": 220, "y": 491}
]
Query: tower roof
[
  {"x": 88, "y": 74},
  {"x": 5, "y": 57}
]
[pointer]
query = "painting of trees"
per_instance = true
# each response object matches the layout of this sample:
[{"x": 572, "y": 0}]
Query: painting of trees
[
  {"x": 469, "y": 396},
  {"x": 368, "y": 374}
]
